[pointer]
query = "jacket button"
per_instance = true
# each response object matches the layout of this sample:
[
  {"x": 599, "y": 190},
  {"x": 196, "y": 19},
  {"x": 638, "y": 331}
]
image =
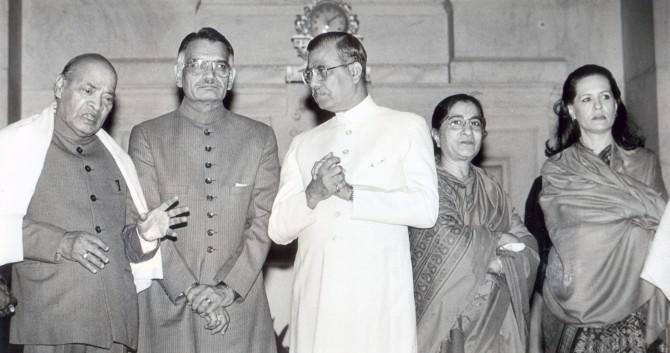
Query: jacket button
[
  {"x": 210, "y": 214},
  {"x": 98, "y": 229},
  {"x": 210, "y": 232},
  {"x": 208, "y": 165},
  {"x": 208, "y": 180},
  {"x": 88, "y": 168},
  {"x": 210, "y": 249},
  {"x": 93, "y": 198},
  {"x": 80, "y": 150},
  {"x": 207, "y": 132},
  {"x": 208, "y": 148}
]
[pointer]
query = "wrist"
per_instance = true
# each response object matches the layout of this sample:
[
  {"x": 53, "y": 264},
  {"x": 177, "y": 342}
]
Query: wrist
[
  {"x": 61, "y": 251},
  {"x": 499, "y": 266},
  {"x": 146, "y": 245},
  {"x": 228, "y": 293},
  {"x": 185, "y": 292},
  {"x": 312, "y": 199}
]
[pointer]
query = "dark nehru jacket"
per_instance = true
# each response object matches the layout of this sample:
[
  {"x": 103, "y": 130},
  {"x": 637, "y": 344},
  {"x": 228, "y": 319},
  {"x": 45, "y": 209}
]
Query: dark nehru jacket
[
  {"x": 80, "y": 189},
  {"x": 227, "y": 171}
]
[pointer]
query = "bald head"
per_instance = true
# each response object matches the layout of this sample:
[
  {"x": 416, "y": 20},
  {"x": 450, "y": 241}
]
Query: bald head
[
  {"x": 78, "y": 60},
  {"x": 84, "y": 93}
]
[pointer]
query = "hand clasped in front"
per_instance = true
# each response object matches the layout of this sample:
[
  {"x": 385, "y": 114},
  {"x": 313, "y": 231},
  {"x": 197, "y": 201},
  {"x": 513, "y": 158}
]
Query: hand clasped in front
[
  {"x": 210, "y": 302},
  {"x": 328, "y": 179}
]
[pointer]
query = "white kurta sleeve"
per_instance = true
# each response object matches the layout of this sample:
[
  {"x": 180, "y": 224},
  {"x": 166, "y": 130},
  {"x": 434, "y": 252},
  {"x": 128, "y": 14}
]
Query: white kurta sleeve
[
  {"x": 415, "y": 205},
  {"x": 290, "y": 213}
]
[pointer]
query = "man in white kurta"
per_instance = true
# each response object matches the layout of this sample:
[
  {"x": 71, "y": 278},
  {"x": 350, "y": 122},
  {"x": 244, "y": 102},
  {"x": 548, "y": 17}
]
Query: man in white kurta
[{"x": 349, "y": 188}]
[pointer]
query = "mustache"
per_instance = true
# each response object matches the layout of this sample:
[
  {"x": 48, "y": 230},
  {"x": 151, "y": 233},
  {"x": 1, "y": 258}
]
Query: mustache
[{"x": 318, "y": 92}]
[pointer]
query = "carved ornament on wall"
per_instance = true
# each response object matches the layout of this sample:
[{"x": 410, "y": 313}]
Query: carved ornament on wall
[{"x": 319, "y": 17}]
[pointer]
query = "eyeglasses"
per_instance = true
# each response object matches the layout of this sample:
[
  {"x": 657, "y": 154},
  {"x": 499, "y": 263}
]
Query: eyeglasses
[
  {"x": 221, "y": 68},
  {"x": 459, "y": 123},
  {"x": 320, "y": 71}
]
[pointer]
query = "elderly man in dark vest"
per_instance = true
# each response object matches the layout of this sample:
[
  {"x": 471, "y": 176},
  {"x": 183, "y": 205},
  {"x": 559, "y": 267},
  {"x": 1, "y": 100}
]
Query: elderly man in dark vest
[
  {"x": 71, "y": 203},
  {"x": 225, "y": 167}
]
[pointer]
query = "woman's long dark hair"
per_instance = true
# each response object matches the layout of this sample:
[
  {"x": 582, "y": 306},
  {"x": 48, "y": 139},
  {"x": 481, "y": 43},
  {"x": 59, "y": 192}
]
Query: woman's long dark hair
[{"x": 624, "y": 131}]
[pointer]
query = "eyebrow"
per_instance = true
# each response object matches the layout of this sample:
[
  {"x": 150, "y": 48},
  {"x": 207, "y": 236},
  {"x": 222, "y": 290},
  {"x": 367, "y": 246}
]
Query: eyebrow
[
  {"x": 112, "y": 93},
  {"x": 603, "y": 91},
  {"x": 203, "y": 59},
  {"x": 461, "y": 116}
]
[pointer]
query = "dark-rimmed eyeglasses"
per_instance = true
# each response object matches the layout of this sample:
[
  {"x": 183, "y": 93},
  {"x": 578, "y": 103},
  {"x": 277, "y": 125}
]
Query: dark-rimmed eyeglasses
[
  {"x": 320, "y": 71},
  {"x": 221, "y": 68}
]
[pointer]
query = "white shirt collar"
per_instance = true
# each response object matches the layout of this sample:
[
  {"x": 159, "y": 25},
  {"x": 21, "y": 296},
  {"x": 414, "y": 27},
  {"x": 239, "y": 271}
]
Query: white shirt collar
[{"x": 357, "y": 113}]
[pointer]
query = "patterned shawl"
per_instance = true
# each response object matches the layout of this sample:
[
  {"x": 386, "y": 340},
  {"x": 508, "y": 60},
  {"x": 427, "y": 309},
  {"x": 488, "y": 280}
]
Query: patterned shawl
[{"x": 451, "y": 259}]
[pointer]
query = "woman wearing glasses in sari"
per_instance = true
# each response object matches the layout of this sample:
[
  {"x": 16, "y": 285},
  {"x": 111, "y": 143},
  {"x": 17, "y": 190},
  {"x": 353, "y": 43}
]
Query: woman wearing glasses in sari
[
  {"x": 602, "y": 197},
  {"x": 474, "y": 270}
]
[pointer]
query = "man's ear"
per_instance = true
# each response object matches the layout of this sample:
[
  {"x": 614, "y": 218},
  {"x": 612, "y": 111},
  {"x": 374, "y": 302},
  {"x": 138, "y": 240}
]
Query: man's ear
[
  {"x": 179, "y": 70},
  {"x": 356, "y": 70},
  {"x": 178, "y": 74},
  {"x": 231, "y": 78},
  {"x": 59, "y": 85}
]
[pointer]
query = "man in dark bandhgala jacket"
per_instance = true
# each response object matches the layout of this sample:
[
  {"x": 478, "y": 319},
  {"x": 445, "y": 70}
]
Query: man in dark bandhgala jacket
[{"x": 72, "y": 220}]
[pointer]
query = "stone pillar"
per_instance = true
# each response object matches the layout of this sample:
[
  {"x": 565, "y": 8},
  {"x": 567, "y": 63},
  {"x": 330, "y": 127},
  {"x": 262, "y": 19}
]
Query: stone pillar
[
  {"x": 4, "y": 53},
  {"x": 15, "y": 61},
  {"x": 661, "y": 10},
  {"x": 639, "y": 67},
  {"x": 4, "y": 63}
]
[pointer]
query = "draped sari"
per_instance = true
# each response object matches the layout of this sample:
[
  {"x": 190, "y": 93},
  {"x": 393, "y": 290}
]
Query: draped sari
[
  {"x": 601, "y": 219},
  {"x": 455, "y": 296}
]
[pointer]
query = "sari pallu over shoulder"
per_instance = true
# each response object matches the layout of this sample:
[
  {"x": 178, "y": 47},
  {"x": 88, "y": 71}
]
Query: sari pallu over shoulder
[
  {"x": 601, "y": 220},
  {"x": 450, "y": 260}
]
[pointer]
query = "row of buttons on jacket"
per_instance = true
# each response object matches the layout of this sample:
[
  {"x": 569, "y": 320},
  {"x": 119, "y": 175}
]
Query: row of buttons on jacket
[
  {"x": 93, "y": 198},
  {"x": 209, "y": 180}
]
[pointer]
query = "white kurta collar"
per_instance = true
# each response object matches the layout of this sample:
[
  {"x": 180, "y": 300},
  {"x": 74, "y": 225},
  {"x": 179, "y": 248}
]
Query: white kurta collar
[{"x": 359, "y": 112}]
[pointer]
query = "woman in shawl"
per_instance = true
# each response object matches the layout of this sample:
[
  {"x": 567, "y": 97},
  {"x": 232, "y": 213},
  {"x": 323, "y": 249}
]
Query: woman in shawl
[
  {"x": 602, "y": 197},
  {"x": 474, "y": 270}
]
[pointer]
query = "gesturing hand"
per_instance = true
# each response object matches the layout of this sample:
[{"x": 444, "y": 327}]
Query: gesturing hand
[
  {"x": 84, "y": 248},
  {"x": 327, "y": 180},
  {"x": 156, "y": 224}
]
